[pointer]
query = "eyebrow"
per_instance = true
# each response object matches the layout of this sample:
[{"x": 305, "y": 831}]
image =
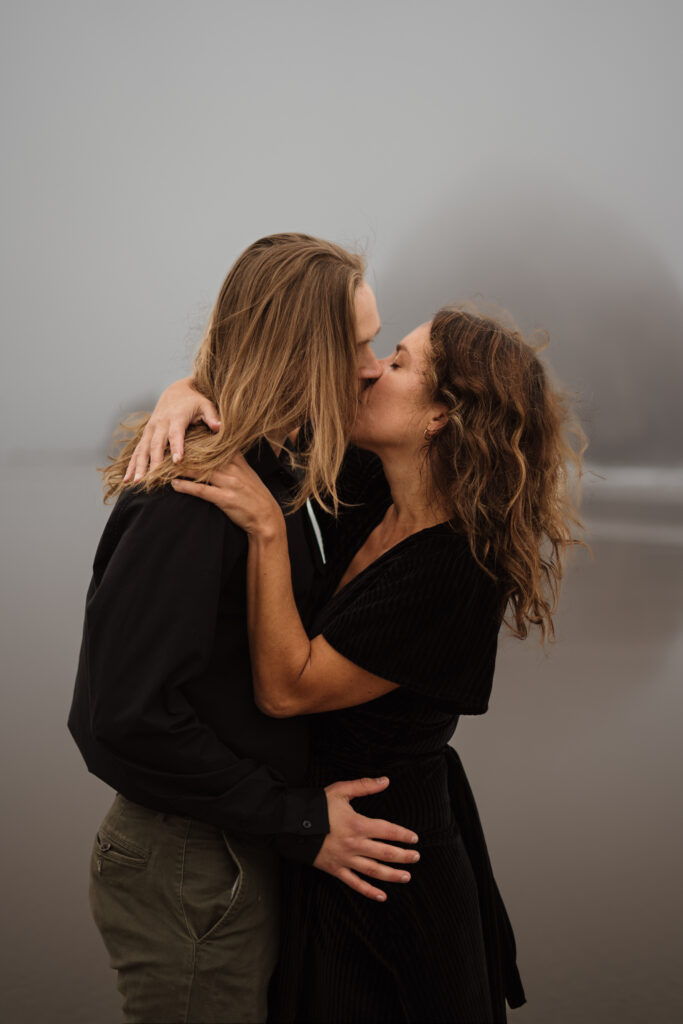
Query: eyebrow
[{"x": 366, "y": 341}]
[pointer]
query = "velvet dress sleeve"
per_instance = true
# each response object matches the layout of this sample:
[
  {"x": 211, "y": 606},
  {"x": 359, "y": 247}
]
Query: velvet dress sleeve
[{"x": 425, "y": 616}]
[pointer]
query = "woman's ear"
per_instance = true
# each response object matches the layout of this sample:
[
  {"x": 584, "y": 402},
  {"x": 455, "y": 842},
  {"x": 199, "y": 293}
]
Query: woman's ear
[{"x": 438, "y": 420}]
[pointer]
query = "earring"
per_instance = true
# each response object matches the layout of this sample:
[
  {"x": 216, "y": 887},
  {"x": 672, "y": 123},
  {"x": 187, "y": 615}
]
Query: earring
[{"x": 427, "y": 436}]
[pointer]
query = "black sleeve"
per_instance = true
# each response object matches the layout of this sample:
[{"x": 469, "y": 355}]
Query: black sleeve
[
  {"x": 150, "y": 622},
  {"x": 428, "y": 620}
]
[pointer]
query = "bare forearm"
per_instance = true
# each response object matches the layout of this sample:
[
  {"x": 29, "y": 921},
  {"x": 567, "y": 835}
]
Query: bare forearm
[{"x": 279, "y": 644}]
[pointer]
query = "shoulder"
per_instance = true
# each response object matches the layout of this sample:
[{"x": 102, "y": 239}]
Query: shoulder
[
  {"x": 431, "y": 577},
  {"x": 166, "y": 522},
  {"x": 425, "y": 616},
  {"x": 440, "y": 561},
  {"x": 163, "y": 505}
]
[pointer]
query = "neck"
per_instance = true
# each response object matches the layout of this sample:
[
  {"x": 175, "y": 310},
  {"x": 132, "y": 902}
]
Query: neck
[{"x": 407, "y": 478}]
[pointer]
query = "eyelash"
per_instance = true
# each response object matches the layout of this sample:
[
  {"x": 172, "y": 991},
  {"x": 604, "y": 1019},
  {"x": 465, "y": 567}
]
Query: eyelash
[{"x": 394, "y": 366}]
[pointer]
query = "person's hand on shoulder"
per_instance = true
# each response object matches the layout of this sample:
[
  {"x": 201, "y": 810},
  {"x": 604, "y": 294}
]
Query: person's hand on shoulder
[
  {"x": 178, "y": 407},
  {"x": 239, "y": 492}
]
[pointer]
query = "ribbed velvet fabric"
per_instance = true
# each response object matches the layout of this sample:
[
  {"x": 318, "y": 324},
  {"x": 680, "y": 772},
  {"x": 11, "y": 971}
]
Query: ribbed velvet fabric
[{"x": 425, "y": 616}]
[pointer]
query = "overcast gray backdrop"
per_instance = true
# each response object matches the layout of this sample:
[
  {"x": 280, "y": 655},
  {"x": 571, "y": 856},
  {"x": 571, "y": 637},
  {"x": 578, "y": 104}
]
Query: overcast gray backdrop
[{"x": 527, "y": 152}]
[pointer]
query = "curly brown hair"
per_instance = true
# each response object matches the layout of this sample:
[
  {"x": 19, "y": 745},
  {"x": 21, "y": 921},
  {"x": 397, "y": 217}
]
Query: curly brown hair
[{"x": 508, "y": 459}]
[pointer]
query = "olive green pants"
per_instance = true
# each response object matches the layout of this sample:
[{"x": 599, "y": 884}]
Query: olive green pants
[{"x": 189, "y": 916}]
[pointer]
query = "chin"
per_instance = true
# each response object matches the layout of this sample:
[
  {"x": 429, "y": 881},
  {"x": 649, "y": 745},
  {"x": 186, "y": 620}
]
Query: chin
[
  {"x": 364, "y": 431},
  {"x": 361, "y": 438}
]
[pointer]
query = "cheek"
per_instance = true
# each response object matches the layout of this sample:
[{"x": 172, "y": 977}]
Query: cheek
[
  {"x": 394, "y": 407},
  {"x": 393, "y": 385},
  {"x": 385, "y": 397},
  {"x": 403, "y": 394}
]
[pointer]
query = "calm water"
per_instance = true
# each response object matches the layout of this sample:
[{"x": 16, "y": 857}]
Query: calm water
[{"x": 576, "y": 769}]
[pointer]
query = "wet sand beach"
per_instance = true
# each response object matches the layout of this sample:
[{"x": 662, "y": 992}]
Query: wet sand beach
[{"x": 576, "y": 769}]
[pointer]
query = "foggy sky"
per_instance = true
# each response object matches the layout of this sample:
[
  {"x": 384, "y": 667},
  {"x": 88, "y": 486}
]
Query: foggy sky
[{"x": 527, "y": 152}]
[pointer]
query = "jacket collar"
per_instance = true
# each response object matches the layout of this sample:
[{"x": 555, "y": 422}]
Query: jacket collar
[{"x": 266, "y": 463}]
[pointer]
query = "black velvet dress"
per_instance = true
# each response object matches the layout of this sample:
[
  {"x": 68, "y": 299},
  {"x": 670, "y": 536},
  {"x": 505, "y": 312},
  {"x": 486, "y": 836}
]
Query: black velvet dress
[{"x": 441, "y": 949}]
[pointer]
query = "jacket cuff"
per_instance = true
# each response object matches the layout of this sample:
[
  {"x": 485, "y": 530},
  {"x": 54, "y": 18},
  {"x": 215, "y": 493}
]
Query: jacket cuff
[{"x": 305, "y": 825}]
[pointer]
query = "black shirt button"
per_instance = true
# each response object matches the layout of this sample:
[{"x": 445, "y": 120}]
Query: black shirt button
[{"x": 306, "y": 823}]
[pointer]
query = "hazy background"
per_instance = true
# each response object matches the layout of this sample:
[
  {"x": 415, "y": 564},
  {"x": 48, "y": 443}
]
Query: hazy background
[{"x": 530, "y": 153}]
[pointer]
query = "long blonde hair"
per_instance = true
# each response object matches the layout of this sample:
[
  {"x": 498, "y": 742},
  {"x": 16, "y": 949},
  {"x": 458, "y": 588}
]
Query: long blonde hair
[
  {"x": 508, "y": 459},
  {"x": 279, "y": 352}
]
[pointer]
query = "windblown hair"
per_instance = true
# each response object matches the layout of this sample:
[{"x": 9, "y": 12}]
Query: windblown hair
[
  {"x": 508, "y": 462},
  {"x": 279, "y": 352}
]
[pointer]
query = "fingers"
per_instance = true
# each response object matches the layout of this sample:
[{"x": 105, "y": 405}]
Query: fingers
[
  {"x": 209, "y": 414},
  {"x": 375, "y": 828},
  {"x": 217, "y": 496},
  {"x": 176, "y": 440},
  {"x": 383, "y": 851},
  {"x": 205, "y": 491},
  {"x": 138, "y": 459},
  {"x": 130, "y": 468},
  {"x": 157, "y": 448},
  {"x": 167, "y": 433},
  {"x": 359, "y": 787},
  {"x": 137, "y": 467},
  {"x": 380, "y": 871},
  {"x": 351, "y": 879},
  {"x": 373, "y": 870}
]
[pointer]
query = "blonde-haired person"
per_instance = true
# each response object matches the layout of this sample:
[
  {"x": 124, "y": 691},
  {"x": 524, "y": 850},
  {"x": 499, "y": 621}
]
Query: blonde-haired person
[
  {"x": 184, "y": 870},
  {"x": 458, "y": 509}
]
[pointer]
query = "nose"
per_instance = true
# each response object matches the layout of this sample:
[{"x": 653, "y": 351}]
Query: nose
[{"x": 369, "y": 367}]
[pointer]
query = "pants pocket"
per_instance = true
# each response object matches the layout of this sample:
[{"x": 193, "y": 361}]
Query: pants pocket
[
  {"x": 211, "y": 880},
  {"x": 118, "y": 874},
  {"x": 112, "y": 848}
]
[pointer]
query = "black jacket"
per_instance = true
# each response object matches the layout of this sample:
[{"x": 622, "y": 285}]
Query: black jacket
[{"x": 163, "y": 708}]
